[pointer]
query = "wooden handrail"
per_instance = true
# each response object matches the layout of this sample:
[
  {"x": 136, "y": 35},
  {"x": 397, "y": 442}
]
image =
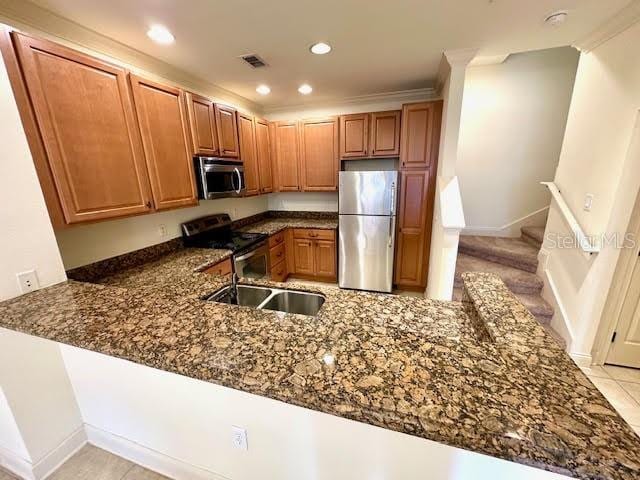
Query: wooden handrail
[{"x": 585, "y": 244}]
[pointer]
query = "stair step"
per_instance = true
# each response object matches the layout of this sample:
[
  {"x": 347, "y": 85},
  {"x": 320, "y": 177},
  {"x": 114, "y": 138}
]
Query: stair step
[
  {"x": 533, "y": 235},
  {"x": 513, "y": 252},
  {"x": 517, "y": 280}
]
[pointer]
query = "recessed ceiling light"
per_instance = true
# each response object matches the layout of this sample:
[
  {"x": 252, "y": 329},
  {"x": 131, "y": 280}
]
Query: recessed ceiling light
[
  {"x": 160, "y": 34},
  {"x": 305, "y": 89},
  {"x": 263, "y": 90},
  {"x": 556, "y": 18},
  {"x": 320, "y": 48}
]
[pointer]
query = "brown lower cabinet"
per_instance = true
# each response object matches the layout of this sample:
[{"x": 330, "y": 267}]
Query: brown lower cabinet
[
  {"x": 304, "y": 253},
  {"x": 221, "y": 268}
]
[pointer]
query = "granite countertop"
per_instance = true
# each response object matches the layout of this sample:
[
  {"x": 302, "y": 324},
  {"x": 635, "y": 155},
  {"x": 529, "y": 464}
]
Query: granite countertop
[
  {"x": 275, "y": 225},
  {"x": 480, "y": 375}
]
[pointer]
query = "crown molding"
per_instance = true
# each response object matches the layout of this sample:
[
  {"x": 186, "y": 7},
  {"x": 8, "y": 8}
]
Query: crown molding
[
  {"x": 404, "y": 96},
  {"x": 460, "y": 57},
  {"x": 622, "y": 20},
  {"x": 31, "y": 18},
  {"x": 481, "y": 61}
]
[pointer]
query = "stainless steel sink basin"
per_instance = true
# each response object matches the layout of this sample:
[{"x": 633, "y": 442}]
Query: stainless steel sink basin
[
  {"x": 288, "y": 301},
  {"x": 294, "y": 302},
  {"x": 248, "y": 295}
]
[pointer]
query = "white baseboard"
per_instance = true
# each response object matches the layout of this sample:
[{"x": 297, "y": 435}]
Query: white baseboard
[
  {"x": 18, "y": 466},
  {"x": 24, "y": 469},
  {"x": 511, "y": 229},
  {"x": 581, "y": 359},
  {"x": 148, "y": 458}
]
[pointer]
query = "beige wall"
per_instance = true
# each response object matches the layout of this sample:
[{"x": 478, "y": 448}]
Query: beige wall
[
  {"x": 27, "y": 241},
  {"x": 83, "y": 244},
  {"x": 596, "y": 158},
  {"x": 512, "y": 125}
]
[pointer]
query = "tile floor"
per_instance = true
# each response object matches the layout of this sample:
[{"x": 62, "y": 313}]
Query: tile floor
[
  {"x": 621, "y": 386},
  {"x": 92, "y": 463}
]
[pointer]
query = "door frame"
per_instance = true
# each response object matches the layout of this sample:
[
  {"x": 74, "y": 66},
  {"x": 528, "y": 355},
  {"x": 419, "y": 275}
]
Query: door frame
[{"x": 621, "y": 281}]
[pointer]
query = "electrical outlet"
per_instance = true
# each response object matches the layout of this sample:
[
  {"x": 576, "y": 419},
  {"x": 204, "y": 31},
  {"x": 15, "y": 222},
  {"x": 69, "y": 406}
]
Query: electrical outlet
[
  {"x": 163, "y": 230},
  {"x": 588, "y": 202},
  {"x": 28, "y": 281},
  {"x": 239, "y": 438}
]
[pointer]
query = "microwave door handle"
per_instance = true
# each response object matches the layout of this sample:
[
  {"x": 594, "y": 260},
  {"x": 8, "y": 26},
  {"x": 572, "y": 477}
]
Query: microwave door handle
[{"x": 239, "y": 181}]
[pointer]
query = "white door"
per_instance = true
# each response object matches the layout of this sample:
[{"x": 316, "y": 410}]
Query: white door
[{"x": 625, "y": 350}]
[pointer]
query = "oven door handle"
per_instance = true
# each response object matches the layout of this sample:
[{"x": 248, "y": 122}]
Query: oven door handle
[
  {"x": 239, "y": 181},
  {"x": 252, "y": 253}
]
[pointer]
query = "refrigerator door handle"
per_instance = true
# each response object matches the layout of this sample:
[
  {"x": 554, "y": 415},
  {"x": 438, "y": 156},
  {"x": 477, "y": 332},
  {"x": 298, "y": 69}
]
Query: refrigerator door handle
[
  {"x": 392, "y": 206},
  {"x": 390, "y": 232}
]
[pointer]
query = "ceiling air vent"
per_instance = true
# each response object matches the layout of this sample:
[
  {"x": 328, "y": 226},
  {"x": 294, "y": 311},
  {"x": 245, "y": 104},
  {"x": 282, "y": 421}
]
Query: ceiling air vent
[{"x": 254, "y": 60}]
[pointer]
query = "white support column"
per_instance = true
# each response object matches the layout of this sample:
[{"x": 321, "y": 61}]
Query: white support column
[
  {"x": 40, "y": 419},
  {"x": 448, "y": 218}
]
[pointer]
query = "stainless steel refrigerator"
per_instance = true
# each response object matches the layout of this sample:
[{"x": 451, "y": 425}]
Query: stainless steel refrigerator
[{"x": 367, "y": 230}]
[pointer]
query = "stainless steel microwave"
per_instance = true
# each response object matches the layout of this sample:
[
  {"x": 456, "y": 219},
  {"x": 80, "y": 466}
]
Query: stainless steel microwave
[{"x": 218, "y": 177}]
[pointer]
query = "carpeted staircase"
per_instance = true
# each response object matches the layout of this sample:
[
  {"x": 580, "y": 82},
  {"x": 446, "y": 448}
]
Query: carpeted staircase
[{"x": 515, "y": 260}]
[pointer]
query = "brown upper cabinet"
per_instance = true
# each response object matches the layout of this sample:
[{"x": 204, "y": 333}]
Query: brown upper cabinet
[
  {"x": 85, "y": 116},
  {"x": 202, "y": 118},
  {"x": 420, "y": 134},
  {"x": 227, "y": 127},
  {"x": 263, "y": 153},
  {"x": 319, "y": 162},
  {"x": 286, "y": 156},
  {"x": 162, "y": 116},
  {"x": 354, "y": 135},
  {"x": 365, "y": 135},
  {"x": 247, "y": 137},
  {"x": 384, "y": 140}
]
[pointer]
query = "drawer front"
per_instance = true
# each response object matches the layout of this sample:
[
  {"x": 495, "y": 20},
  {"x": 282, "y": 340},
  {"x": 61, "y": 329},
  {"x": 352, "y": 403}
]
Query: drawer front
[
  {"x": 277, "y": 239},
  {"x": 314, "y": 233},
  {"x": 279, "y": 272},
  {"x": 277, "y": 254},
  {"x": 220, "y": 268}
]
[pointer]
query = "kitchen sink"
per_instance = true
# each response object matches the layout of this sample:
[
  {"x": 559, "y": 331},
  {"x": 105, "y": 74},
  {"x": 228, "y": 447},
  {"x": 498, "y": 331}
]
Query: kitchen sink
[
  {"x": 294, "y": 302},
  {"x": 276, "y": 299},
  {"x": 247, "y": 296}
]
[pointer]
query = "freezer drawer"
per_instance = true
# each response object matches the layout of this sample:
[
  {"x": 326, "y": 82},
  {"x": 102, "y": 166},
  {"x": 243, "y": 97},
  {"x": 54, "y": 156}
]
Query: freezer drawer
[
  {"x": 368, "y": 193},
  {"x": 366, "y": 252}
]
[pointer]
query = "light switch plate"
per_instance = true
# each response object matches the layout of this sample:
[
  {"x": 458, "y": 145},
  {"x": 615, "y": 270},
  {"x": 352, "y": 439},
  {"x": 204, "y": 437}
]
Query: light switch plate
[
  {"x": 588, "y": 202},
  {"x": 239, "y": 438}
]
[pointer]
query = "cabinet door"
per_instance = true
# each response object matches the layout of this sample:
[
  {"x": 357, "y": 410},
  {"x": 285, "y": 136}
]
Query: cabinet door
[
  {"x": 202, "y": 120},
  {"x": 354, "y": 135},
  {"x": 286, "y": 134},
  {"x": 263, "y": 152},
  {"x": 303, "y": 256},
  {"x": 412, "y": 247},
  {"x": 319, "y": 160},
  {"x": 165, "y": 136},
  {"x": 385, "y": 134},
  {"x": 247, "y": 137},
  {"x": 85, "y": 115},
  {"x": 325, "y": 258},
  {"x": 420, "y": 134},
  {"x": 227, "y": 128}
]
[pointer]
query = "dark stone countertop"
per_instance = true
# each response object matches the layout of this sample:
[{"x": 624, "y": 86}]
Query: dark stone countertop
[
  {"x": 480, "y": 375},
  {"x": 275, "y": 225}
]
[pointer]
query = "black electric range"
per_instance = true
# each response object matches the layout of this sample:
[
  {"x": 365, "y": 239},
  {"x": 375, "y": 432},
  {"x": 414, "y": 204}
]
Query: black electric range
[{"x": 214, "y": 231}]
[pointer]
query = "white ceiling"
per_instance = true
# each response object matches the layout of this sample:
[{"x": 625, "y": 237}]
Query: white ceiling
[{"x": 379, "y": 45}]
